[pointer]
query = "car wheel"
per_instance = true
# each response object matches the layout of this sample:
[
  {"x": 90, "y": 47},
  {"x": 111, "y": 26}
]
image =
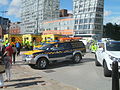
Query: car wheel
[
  {"x": 107, "y": 73},
  {"x": 96, "y": 61},
  {"x": 42, "y": 63},
  {"x": 77, "y": 58}
]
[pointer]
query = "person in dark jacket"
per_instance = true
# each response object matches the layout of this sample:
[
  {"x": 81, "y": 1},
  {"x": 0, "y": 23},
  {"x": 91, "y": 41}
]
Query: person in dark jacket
[{"x": 14, "y": 52}]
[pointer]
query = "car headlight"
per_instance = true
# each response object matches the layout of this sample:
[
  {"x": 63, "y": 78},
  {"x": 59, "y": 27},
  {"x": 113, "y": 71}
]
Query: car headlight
[
  {"x": 114, "y": 58},
  {"x": 29, "y": 56}
]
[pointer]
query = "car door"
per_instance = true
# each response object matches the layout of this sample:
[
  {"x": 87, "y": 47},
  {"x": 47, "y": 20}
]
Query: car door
[
  {"x": 100, "y": 52},
  {"x": 68, "y": 50},
  {"x": 57, "y": 52}
]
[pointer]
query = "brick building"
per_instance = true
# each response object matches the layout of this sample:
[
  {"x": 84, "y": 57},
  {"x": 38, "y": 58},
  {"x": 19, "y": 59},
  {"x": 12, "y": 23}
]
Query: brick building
[
  {"x": 15, "y": 28},
  {"x": 64, "y": 13}
]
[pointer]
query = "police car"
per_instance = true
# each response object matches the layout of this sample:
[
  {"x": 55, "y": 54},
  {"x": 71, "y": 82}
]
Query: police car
[
  {"x": 59, "y": 51},
  {"x": 107, "y": 52}
]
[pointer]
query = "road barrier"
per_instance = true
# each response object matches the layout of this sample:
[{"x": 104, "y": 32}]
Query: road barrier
[{"x": 115, "y": 76}]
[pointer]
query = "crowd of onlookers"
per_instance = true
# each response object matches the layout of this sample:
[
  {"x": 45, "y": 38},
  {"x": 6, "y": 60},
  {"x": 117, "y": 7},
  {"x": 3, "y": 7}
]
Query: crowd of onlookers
[{"x": 7, "y": 58}]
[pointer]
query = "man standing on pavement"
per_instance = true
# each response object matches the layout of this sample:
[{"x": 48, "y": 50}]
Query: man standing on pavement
[
  {"x": 18, "y": 46},
  {"x": 14, "y": 52}
]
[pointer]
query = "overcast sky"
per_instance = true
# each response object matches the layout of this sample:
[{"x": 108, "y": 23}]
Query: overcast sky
[{"x": 111, "y": 14}]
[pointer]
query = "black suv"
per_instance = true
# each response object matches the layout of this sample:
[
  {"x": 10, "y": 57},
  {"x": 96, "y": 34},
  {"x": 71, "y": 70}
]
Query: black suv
[{"x": 59, "y": 51}]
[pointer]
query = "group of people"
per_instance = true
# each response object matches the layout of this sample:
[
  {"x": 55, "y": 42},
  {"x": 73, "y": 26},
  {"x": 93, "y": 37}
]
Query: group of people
[{"x": 7, "y": 56}]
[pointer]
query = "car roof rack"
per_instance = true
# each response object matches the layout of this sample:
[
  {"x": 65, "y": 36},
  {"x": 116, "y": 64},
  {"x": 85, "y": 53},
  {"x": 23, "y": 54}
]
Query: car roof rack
[{"x": 67, "y": 39}]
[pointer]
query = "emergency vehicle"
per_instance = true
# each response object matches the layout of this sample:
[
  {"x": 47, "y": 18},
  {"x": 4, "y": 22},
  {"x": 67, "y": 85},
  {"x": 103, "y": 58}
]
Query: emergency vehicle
[
  {"x": 51, "y": 37},
  {"x": 64, "y": 50},
  {"x": 31, "y": 40},
  {"x": 12, "y": 38}
]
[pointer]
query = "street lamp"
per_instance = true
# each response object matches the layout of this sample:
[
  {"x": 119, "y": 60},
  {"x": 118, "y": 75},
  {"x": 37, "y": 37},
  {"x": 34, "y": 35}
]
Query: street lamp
[{"x": 37, "y": 16}]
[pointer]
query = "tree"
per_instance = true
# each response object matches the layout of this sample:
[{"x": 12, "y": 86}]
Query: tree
[{"x": 112, "y": 31}]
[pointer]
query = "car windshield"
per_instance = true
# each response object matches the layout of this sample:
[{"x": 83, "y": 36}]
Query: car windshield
[{"x": 113, "y": 46}]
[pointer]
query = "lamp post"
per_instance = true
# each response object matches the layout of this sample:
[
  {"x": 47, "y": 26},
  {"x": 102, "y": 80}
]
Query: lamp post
[{"x": 37, "y": 12}]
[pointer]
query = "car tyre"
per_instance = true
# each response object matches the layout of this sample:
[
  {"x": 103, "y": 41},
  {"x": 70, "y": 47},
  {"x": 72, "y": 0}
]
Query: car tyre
[
  {"x": 32, "y": 66},
  {"x": 96, "y": 61},
  {"x": 77, "y": 58},
  {"x": 107, "y": 73},
  {"x": 42, "y": 63}
]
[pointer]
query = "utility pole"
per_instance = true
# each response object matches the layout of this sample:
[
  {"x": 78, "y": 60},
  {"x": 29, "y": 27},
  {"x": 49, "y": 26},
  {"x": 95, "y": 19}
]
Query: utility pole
[{"x": 37, "y": 16}]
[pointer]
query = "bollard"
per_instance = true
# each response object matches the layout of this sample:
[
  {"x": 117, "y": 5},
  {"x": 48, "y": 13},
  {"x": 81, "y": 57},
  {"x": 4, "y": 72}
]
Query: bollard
[{"x": 115, "y": 76}]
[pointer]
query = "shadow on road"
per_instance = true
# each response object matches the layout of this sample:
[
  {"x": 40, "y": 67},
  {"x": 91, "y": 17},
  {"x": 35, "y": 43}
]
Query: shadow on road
[
  {"x": 66, "y": 64},
  {"x": 25, "y": 79},
  {"x": 25, "y": 82},
  {"x": 88, "y": 60}
]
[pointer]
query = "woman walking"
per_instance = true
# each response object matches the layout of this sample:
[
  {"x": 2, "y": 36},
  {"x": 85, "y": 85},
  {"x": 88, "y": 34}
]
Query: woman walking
[{"x": 8, "y": 65}]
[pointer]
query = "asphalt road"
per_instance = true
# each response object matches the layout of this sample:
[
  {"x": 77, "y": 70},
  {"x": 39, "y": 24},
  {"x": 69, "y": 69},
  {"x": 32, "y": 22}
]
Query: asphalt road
[{"x": 85, "y": 75}]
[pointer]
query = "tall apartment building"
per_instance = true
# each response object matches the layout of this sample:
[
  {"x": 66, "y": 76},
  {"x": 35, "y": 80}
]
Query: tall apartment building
[
  {"x": 88, "y": 15},
  {"x": 34, "y": 12}
]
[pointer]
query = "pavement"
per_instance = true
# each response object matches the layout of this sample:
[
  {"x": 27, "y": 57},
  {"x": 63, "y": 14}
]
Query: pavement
[{"x": 24, "y": 77}]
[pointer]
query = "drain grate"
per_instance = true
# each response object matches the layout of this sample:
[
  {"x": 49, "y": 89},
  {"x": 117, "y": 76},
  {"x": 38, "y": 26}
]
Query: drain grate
[{"x": 49, "y": 71}]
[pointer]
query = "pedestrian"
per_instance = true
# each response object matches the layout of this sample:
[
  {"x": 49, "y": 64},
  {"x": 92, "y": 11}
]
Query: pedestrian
[
  {"x": 2, "y": 70},
  {"x": 3, "y": 49},
  {"x": 14, "y": 52},
  {"x": 8, "y": 65},
  {"x": 10, "y": 51},
  {"x": 18, "y": 46},
  {"x": 31, "y": 45}
]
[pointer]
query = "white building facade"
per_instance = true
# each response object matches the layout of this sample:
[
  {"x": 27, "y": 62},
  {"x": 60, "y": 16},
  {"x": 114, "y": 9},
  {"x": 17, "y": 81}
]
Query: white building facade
[
  {"x": 34, "y": 12},
  {"x": 88, "y": 15}
]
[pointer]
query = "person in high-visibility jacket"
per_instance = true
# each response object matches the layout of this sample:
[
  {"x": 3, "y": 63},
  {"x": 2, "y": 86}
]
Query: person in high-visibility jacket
[
  {"x": 93, "y": 48},
  {"x": 6, "y": 42},
  {"x": 31, "y": 45}
]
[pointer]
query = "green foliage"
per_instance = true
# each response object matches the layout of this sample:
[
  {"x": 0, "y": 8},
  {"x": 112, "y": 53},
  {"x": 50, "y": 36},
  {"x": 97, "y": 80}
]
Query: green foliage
[{"x": 111, "y": 31}]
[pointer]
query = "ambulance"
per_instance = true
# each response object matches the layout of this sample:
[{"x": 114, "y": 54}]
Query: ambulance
[
  {"x": 31, "y": 40},
  {"x": 12, "y": 38}
]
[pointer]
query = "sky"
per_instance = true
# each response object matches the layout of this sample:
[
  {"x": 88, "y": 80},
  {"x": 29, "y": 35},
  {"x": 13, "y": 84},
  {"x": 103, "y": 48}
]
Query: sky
[{"x": 111, "y": 10}]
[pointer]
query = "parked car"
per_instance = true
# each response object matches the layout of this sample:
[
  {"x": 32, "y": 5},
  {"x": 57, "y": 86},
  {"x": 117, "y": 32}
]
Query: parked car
[
  {"x": 59, "y": 51},
  {"x": 106, "y": 53}
]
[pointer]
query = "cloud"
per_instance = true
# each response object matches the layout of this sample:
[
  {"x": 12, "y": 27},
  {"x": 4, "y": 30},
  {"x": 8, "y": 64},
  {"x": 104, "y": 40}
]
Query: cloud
[
  {"x": 113, "y": 20},
  {"x": 107, "y": 13},
  {"x": 15, "y": 3},
  {"x": 3, "y": 2},
  {"x": 70, "y": 11},
  {"x": 14, "y": 8}
]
